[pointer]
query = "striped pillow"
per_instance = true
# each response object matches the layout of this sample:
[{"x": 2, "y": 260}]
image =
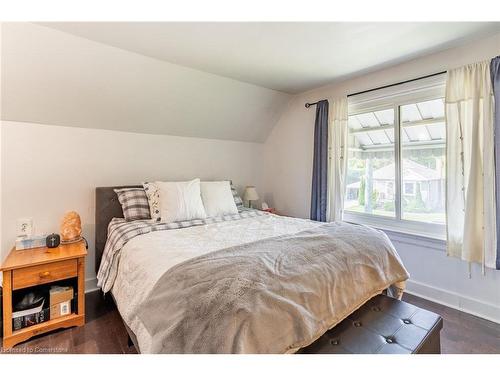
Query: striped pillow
[{"x": 134, "y": 203}]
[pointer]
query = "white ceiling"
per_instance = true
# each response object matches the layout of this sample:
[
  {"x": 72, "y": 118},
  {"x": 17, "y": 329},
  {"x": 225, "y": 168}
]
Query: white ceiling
[{"x": 289, "y": 57}]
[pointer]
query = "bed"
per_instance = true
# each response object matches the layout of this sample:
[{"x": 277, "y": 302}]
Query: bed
[{"x": 163, "y": 288}]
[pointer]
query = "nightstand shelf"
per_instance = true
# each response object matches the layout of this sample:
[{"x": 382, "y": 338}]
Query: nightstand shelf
[
  {"x": 50, "y": 325},
  {"x": 30, "y": 268}
]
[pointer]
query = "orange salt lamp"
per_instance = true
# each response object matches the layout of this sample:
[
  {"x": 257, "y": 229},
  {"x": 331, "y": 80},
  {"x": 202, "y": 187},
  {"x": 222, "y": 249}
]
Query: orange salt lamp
[{"x": 71, "y": 227}]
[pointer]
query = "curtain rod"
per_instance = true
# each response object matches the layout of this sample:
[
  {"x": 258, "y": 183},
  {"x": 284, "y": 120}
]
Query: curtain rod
[
  {"x": 307, "y": 105},
  {"x": 398, "y": 83},
  {"x": 310, "y": 104}
]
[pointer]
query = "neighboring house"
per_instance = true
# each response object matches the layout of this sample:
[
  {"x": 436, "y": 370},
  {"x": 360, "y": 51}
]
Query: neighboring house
[{"x": 415, "y": 176}]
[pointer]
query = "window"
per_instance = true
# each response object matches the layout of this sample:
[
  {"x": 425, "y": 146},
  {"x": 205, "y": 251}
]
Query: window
[
  {"x": 396, "y": 158},
  {"x": 409, "y": 188}
]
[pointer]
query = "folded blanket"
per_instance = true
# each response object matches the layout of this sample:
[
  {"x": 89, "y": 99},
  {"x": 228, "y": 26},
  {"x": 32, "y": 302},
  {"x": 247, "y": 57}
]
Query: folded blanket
[{"x": 270, "y": 296}]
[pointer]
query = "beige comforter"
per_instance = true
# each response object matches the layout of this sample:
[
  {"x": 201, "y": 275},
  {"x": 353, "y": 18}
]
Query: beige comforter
[{"x": 270, "y": 296}]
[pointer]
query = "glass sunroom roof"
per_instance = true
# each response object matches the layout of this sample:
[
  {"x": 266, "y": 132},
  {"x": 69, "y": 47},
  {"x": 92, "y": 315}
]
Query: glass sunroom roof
[{"x": 421, "y": 123}]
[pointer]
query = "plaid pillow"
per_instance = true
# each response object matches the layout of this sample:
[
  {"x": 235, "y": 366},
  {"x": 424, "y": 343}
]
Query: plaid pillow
[
  {"x": 237, "y": 198},
  {"x": 134, "y": 203}
]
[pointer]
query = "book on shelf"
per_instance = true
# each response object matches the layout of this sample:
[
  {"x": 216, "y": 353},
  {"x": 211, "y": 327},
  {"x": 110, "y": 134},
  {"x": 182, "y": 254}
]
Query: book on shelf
[{"x": 30, "y": 317}]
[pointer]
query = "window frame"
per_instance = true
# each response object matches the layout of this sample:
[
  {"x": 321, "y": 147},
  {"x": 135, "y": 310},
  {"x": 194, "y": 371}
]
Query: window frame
[{"x": 394, "y": 98}]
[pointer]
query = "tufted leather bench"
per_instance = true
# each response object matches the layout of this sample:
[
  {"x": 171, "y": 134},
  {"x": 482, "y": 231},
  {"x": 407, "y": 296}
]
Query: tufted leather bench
[{"x": 383, "y": 325}]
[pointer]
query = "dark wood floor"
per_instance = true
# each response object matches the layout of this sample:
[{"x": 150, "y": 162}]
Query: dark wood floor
[
  {"x": 104, "y": 331},
  {"x": 462, "y": 333}
]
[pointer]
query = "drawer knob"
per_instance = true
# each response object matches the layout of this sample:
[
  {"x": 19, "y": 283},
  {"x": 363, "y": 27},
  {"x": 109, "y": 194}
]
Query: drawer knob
[{"x": 44, "y": 274}]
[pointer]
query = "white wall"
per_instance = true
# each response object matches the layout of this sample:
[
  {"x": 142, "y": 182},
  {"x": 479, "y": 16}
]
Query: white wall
[
  {"x": 59, "y": 91},
  {"x": 48, "y": 170},
  {"x": 288, "y": 155},
  {"x": 443, "y": 279}
]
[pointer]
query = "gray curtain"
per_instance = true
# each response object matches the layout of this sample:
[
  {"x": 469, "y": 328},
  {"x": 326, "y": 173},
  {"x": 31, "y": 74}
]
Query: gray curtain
[
  {"x": 319, "y": 194},
  {"x": 495, "y": 79}
]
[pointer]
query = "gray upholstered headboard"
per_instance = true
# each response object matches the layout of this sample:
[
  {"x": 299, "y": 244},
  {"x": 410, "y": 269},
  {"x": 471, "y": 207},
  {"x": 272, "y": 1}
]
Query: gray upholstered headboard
[{"x": 106, "y": 208}]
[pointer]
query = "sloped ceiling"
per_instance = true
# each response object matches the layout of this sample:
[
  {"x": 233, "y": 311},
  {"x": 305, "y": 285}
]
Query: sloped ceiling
[
  {"x": 288, "y": 56},
  {"x": 211, "y": 80},
  {"x": 56, "y": 78}
]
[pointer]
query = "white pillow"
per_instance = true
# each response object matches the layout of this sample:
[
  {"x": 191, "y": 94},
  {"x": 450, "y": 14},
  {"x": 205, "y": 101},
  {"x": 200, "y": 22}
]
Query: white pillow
[
  {"x": 180, "y": 201},
  {"x": 218, "y": 198}
]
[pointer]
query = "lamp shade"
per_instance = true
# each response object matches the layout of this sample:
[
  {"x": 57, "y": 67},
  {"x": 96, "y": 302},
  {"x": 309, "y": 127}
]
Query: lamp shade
[{"x": 250, "y": 194}]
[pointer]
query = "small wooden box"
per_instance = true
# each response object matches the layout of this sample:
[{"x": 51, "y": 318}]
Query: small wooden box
[
  {"x": 60, "y": 309},
  {"x": 60, "y": 294}
]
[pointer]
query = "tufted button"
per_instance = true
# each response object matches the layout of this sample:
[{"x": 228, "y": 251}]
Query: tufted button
[
  {"x": 334, "y": 341},
  {"x": 406, "y": 321},
  {"x": 357, "y": 324},
  {"x": 375, "y": 308},
  {"x": 389, "y": 340}
]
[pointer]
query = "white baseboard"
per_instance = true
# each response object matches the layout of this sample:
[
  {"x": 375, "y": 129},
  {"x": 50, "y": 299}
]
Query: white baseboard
[
  {"x": 454, "y": 300},
  {"x": 91, "y": 285}
]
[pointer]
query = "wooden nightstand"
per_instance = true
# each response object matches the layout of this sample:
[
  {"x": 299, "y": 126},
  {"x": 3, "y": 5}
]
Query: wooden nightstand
[{"x": 28, "y": 268}]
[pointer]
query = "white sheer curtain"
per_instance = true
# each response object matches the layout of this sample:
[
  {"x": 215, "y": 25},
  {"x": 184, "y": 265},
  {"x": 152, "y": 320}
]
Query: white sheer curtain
[
  {"x": 470, "y": 201},
  {"x": 337, "y": 157}
]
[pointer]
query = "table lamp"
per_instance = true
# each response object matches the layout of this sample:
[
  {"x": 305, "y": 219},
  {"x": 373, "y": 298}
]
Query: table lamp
[{"x": 250, "y": 195}]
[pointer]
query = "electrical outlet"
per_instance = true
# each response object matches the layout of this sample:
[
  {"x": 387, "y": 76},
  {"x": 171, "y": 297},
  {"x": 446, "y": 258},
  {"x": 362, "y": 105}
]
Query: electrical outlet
[{"x": 25, "y": 227}]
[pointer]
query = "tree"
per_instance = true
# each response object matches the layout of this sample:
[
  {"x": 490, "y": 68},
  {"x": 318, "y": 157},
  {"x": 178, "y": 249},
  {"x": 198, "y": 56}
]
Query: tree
[
  {"x": 419, "y": 202},
  {"x": 374, "y": 198},
  {"x": 361, "y": 192}
]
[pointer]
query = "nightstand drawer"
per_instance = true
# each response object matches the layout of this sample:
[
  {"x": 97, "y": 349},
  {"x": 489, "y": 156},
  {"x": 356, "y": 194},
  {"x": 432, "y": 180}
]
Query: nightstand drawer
[{"x": 44, "y": 273}]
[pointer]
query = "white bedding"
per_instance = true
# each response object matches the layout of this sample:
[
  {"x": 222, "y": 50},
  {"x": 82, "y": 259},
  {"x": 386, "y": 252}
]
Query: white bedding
[{"x": 145, "y": 258}]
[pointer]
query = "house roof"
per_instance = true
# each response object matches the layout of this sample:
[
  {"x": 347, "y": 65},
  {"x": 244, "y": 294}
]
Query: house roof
[{"x": 412, "y": 171}]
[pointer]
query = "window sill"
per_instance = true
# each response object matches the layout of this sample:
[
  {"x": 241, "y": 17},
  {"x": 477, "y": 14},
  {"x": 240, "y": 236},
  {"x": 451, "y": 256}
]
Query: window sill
[
  {"x": 434, "y": 241},
  {"x": 416, "y": 239}
]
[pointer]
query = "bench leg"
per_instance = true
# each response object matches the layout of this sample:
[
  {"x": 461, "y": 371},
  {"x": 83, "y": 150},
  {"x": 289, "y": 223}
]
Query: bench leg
[
  {"x": 130, "y": 343},
  {"x": 432, "y": 345}
]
